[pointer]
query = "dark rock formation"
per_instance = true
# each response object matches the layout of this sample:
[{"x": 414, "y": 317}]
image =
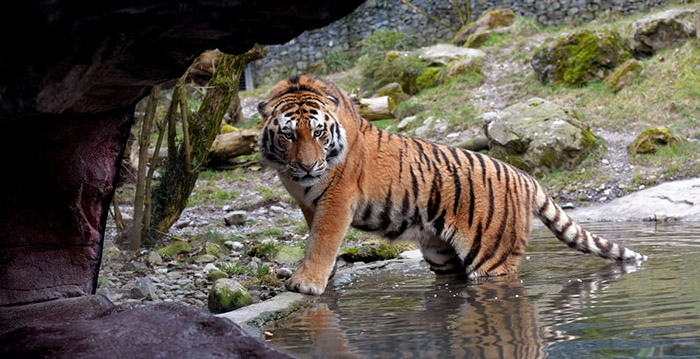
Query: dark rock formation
[
  {"x": 165, "y": 330},
  {"x": 70, "y": 75}
]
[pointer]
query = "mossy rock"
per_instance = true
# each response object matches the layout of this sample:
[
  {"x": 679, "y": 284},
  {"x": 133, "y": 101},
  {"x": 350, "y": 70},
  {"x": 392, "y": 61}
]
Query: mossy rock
[
  {"x": 215, "y": 275},
  {"x": 618, "y": 79},
  {"x": 371, "y": 252},
  {"x": 463, "y": 67},
  {"x": 403, "y": 69},
  {"x": 213, "y": 249},
  {"x": 579, "y": 58},
  {"x": 489, "y": 20},
  {"x": 477, "y": 40},
  {"x": 174, "y": 249},
  {"x": 650, "y": 139},
  {"x": 226, "y": 295},
  {"x": 538, "y": 136},
  {"x": 393, "y": 90},
  {"x": 226, "y": 128},
  {"x": 289, "y": 254},
  {"x": 430, "y": 77}
]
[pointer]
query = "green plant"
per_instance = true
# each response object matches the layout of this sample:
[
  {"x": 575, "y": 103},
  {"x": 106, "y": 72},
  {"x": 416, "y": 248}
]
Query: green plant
[
  {"x": 335, "y": 61},
  {"x": 263, "y": 250},
  {"x": 232, "y": 268},
  {"x": 386, "y": 40}
]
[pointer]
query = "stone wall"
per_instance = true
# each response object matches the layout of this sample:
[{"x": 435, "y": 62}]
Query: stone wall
[
  {"x": 551, "y": 12},
  {"x": 307, "y": 52}
]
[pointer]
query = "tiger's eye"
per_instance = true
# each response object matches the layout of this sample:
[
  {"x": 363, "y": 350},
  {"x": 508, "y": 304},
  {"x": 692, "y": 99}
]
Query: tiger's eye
[
  {"x": 288, "y": 135},
  {"x": 318, "y": 133}
]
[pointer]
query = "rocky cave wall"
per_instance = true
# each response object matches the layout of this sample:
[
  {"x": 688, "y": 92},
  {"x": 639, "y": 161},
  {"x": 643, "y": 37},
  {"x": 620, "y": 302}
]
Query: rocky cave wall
[{"x": 70, "y": 76}]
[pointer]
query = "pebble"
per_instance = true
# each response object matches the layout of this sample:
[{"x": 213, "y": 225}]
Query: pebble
[
  {"x": 235, "y": 218},
  {"x": 276, "y": 209},
  {"x": 284, "y": 272},
  {"x": 568, "y": 205}
]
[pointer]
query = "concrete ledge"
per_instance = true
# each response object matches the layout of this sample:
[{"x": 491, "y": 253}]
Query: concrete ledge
[{"x": 253, "y": 317}]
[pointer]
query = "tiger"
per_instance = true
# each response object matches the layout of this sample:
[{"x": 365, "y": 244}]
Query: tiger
[{"x": 469, "y": 213}]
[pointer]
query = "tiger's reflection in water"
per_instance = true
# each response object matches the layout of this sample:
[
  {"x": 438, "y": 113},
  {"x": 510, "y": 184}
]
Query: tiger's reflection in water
[{"x": 490, "y": 318}]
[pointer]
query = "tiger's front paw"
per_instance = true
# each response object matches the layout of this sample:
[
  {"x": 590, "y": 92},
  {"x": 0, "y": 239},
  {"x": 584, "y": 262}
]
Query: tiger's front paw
[{"x": 306, "y": 284}]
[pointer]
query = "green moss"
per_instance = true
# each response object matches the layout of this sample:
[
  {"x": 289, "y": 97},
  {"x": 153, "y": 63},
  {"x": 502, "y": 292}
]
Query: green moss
[
  {"x": 477, "y": 40},
  {"x": 392, "y": 90},
  {"x": 175, "y": 249},
  {"x": 589, "y": 139},
  {"x": 579, "y": 57},
  {"x": 650, "y": 139},
  {"x": 226, "y": 128},
  {"x": 370, "y": 252},
  {"x": 216, "y": 274},
  {"x": 622, "y": 75},
  {"x": 264, "y": 250},
  {"x": 227, "y": 299},
  {"x": 214, "y": 249},
  {"x": 430, "y": 77}
]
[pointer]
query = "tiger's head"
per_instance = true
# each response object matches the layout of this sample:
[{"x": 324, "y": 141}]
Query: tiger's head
[{"x": 302, "y": 135}]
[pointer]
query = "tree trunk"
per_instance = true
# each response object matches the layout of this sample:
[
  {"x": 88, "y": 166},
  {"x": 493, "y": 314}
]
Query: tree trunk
[
  {"x": 230, "y": 145},
  {"x": 171, "y": 194},
  {"x": 377, "y": 108},
  {"x": 132, "y": 238}
]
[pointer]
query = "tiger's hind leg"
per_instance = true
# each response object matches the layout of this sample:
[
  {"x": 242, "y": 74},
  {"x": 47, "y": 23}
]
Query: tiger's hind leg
[{"x": 441, "y": 257}]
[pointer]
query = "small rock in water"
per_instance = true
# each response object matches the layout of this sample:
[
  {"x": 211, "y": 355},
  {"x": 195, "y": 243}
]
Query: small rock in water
[
  {"x": 568, "y": 205},
  {"x": 660, "y": 217},
  {"x": 235, "y": 218}
]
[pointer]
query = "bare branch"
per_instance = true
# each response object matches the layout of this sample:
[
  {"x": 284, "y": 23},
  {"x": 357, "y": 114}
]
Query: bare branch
[{"x": 431, "y": 17}]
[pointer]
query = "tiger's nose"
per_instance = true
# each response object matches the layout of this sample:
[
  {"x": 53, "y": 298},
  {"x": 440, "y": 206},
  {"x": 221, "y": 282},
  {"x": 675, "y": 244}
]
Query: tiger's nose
[{"x": 308, "y": 167}]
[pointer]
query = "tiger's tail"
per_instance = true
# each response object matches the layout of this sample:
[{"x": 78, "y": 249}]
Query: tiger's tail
[{"x": 576, "y": 237}]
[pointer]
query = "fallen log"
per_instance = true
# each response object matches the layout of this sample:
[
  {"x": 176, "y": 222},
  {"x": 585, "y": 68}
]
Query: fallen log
[
  {"x": 376, "y": 108},
  {"x": 230, "y": 145}
]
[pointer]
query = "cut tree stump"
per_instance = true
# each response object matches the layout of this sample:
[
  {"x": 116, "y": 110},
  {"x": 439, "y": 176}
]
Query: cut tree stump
[{"x": 376, "y": 108}]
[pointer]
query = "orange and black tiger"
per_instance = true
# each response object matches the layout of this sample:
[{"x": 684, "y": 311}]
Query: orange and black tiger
[{"x": 469, "y": 213}]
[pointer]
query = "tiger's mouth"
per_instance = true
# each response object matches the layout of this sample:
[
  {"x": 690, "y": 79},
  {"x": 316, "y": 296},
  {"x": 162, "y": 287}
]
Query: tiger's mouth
[{"x": 308, "y": 179}]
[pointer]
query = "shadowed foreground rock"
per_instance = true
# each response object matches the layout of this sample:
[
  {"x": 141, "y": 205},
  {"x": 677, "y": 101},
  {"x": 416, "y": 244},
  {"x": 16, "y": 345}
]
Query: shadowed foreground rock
[
  {"x": 70, "y": 77},
  {"x": 165, "y": 330}
]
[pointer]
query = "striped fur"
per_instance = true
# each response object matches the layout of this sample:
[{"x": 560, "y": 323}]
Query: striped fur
[{"x": 469, "y": 213}]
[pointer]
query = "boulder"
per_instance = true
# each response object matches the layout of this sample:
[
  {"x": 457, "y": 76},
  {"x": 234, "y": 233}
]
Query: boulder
[
  {"x": 625, "y": 73},
  {"x": 442, "y": 54},
  {"x": 226, "y": 295},
  {"x": 430, "y": 77},
  {"x": 660, "y": 31},
  {"x": 650, "y": 139},
  {"x": 538, "y": 136},
  {"x": 489, "y": 20},
  {"x": 393, "y": 90},
  {"x": 164, "y": 330},
  {"x": 579, "y": 58}
]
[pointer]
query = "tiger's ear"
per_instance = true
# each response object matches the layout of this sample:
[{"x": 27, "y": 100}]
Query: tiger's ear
[
  {"x": 263, "y": 110},
  {"x": 335, "y": 102}
]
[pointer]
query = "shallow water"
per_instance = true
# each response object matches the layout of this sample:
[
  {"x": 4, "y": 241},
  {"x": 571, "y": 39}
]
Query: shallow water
[{"x": 562, "y": 304}]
